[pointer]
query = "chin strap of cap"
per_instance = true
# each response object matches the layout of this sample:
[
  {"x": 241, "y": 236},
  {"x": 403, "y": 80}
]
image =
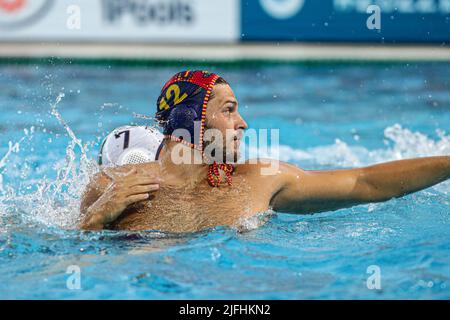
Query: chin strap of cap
[{"x": 214, "y": 176}]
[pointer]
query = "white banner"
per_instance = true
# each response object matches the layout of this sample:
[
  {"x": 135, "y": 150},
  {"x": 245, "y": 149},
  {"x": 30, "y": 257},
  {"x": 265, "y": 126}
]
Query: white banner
[{"x": 120, "y": 20}]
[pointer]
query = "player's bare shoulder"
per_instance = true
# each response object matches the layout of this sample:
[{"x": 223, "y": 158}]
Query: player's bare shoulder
[
  {"x": 269, "y": 172},
  {"x": 259, "y": 167},
  {"x": 260, "y": 172}
]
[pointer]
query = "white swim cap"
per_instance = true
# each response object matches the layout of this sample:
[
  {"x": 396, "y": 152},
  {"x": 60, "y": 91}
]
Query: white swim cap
[{"x": 130, "y": 145}]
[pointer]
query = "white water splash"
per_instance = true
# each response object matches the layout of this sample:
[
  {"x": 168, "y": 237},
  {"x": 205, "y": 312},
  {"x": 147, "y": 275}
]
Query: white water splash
[
  {"x": 255, "y": 221},
  {"x": 53, "y": 202},
  {"x": 12, "y": 147}
]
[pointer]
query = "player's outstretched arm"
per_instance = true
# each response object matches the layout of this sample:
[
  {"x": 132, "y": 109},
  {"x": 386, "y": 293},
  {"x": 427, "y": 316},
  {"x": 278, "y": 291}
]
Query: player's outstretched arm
[{"x": 315, "y": 191}]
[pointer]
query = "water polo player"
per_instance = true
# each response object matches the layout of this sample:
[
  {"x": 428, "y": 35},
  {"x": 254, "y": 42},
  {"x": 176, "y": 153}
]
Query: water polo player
[{"x": 210, "y": 190}]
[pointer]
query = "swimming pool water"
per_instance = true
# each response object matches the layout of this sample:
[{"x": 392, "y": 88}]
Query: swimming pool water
[{"x": 329, "y": 116}]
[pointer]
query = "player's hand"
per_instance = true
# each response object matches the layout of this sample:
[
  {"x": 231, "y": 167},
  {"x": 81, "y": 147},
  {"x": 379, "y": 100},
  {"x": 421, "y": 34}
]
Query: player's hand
[{"x": 126, "y": 188}]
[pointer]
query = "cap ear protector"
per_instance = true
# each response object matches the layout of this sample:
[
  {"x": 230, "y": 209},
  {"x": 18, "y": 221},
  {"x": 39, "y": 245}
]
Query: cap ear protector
[
  {"x": 135, "y": 156},
  {"x": 182, "y": 117},
  {"x": 130, "y": 145}
]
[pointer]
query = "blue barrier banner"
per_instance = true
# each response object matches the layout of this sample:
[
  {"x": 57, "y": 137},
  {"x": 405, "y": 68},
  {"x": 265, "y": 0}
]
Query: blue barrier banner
[{"x": 380, "y": 21}]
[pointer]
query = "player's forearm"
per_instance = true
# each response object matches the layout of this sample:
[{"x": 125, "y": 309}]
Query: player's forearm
[{"x": 398, "y": 178}]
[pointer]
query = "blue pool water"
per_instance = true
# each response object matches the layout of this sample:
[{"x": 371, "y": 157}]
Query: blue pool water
[{"x": 330, "y": 116}]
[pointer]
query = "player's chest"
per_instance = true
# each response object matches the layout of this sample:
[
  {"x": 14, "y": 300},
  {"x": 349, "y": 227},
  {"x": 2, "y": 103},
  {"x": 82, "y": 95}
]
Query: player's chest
[{"x": 193, "y": 209}]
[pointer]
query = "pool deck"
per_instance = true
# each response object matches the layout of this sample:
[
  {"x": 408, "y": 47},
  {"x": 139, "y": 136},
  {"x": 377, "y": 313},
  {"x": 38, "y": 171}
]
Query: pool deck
[{"x": 227, "y": 52}]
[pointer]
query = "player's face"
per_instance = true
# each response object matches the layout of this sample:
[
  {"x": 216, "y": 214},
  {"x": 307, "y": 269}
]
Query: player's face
[{"x": 222, "y": 114}]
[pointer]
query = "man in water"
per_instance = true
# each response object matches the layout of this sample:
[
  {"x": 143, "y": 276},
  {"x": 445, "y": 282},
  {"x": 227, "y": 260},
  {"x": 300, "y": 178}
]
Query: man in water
[{"x": 195, "y": 184}]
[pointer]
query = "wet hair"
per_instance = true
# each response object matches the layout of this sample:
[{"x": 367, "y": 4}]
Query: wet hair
[{"x": 219, "y": 80}]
